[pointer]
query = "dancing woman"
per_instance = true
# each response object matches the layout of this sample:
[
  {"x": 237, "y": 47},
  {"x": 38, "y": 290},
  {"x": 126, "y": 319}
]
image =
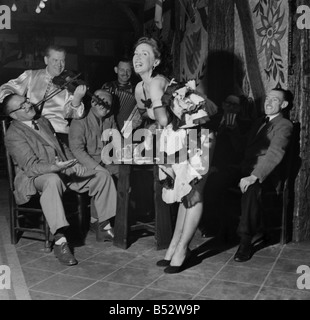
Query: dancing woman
[{"x": 187, "y": 179}]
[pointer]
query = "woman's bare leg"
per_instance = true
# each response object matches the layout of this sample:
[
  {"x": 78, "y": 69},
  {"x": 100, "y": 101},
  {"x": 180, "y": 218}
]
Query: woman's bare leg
[
  {"x": 190, "y": 225},
  {"x": 177, "y": 232}
]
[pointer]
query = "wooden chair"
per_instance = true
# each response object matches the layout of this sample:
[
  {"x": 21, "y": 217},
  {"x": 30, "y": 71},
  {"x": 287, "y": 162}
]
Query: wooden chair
[
  {"x": 30, "y": 218},
  {"x": 284, "y": 195}
]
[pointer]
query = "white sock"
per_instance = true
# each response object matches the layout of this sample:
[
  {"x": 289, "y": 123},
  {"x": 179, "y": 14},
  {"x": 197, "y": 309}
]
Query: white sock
[
  {"x": 93, "y": 220},
  {"x": 107, "y": 227},
  {"x": 61, "y": 240}
]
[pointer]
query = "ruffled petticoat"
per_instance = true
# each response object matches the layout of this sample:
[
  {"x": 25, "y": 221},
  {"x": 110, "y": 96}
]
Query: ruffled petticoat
[{"x": 183, "y": 176}]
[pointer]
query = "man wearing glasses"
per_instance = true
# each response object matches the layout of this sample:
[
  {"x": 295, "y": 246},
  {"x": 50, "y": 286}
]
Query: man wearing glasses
[
  {"x": 86, "y": 143},
  {"x": 38, "y": 85},
  {"x": 46, "y": 166}
]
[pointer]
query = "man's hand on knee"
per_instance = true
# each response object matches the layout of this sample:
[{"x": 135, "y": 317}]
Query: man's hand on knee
[
  {"x": 79, "y": 169},
  {"x": 246, "y": 182},
  {"x": 63, "y": 165}
]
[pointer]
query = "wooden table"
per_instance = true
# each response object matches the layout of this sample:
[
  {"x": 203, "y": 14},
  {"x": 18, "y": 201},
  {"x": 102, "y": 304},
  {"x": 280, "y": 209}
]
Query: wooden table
[{"x": 163, "y": 223}]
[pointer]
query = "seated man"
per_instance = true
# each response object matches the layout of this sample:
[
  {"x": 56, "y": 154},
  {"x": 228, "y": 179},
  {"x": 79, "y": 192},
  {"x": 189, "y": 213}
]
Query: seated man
[
  {"x": 85, "y": 135},
  {"x": 266, "y": 145},
  {"x": 38, "y": 86},
  {"x": 85, "y": 139},
  {"x": 46, "y": 166}
]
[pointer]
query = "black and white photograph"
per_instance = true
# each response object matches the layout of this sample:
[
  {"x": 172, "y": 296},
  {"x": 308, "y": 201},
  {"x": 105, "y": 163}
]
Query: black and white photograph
[{"x": 154, "y": 153}]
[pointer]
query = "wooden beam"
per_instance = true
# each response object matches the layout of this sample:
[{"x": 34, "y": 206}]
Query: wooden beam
[{"x": 299, "y": 84}]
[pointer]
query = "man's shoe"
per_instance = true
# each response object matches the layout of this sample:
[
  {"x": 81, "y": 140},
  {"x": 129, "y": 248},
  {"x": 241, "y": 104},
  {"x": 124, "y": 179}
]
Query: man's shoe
[
  {"x": 244, "y": 252},
  {"x": 64, "y": 255},
  {"x": 104, "y": 235}
]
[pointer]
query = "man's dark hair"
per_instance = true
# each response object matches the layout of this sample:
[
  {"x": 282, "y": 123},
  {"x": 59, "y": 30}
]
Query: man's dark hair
[
  {"x": 54, "y": 47},
  {"x": 124, "y": 59},
  {"x": 5, "y": 104},
  {"x": 289, "y": 97}
]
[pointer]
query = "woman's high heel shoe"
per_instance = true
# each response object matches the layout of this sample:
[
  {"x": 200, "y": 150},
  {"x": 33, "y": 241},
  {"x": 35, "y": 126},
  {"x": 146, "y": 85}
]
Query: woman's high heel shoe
[
  {"x": 163, "y": 263},
  {"x": 177, "y": 269}
]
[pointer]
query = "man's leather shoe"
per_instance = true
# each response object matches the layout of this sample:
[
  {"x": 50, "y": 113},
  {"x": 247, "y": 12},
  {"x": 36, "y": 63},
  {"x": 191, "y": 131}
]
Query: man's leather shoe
[
  {"x": 64, "y": 255},
  {"x": 104, "y": 235},
  {"x": 244, "y": 252}
]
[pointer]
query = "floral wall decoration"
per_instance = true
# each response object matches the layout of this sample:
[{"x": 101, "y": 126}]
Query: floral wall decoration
[
  {"x": 270, "y": 20},
  {"x": 270, "y": 26},
  {"x": 272, "y": 31}
]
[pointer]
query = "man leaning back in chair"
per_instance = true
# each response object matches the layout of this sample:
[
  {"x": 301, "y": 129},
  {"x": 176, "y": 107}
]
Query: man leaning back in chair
[
  {"x": 265, "y": 147},
  {"x": 46, "y": 166}
]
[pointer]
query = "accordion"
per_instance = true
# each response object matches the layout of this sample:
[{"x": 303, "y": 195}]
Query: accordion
[{"x": 124, "y": 103}]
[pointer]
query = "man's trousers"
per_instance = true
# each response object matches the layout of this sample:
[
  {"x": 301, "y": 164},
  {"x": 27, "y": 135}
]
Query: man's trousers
[{"x": 98, "y": 184}]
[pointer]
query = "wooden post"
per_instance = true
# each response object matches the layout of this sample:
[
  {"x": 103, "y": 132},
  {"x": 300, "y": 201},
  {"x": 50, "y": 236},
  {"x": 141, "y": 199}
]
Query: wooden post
[
  {"x": 163, "y": 221},
  {"x": 299, "y": 84},
  {"x": 121, "y": 225}
]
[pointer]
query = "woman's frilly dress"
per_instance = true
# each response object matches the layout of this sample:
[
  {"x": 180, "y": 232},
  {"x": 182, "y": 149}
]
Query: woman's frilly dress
[{"x": 187, "y": 143}]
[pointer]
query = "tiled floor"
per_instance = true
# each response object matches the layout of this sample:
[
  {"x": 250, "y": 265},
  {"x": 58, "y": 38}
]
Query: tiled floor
[{"x": 106, "y": 272}]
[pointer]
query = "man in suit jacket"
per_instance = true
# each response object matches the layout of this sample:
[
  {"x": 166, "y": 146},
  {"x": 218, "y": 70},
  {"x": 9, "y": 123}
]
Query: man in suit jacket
[
  {"x": 46, "y": 166},
  {"x": 266, "y": 145},
  {"x": 85, "y": 135}
]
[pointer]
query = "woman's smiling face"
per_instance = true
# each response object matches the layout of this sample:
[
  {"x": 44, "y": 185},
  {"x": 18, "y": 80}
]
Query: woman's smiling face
[{"x": 144, "y": 58}]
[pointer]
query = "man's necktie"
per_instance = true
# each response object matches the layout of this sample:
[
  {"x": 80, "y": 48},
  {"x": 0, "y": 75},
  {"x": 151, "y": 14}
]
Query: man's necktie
[
  {"x": 35, "y": 125},
  {"x": 266, "y": 120}
]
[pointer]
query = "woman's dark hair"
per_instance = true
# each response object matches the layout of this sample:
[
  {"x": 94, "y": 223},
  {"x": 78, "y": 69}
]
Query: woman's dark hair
[{"x": 160, "y": 52}]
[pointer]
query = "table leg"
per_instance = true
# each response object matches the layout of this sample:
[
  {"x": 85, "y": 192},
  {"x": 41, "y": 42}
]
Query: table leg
[
  {"x": 121, "y": 225},
  {"x": 163, "y": 220}
]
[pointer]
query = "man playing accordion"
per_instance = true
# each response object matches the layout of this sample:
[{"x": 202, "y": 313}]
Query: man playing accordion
[{"x": 122, "y": 90}]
